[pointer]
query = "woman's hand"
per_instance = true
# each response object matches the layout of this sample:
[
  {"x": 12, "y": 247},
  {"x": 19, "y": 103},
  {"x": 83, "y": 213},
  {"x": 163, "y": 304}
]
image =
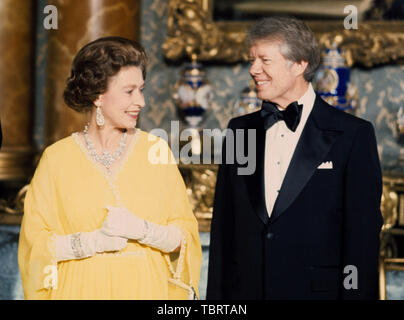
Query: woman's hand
[
  {"x": 86, "y": 244},
  {"x": 121, "y": 222},
  {"x": 105, "y": 243}
]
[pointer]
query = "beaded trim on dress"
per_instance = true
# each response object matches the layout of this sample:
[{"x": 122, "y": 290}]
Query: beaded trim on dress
[
  {"x": 114, "y": 175},
  {"x": 176, "y": 275}
]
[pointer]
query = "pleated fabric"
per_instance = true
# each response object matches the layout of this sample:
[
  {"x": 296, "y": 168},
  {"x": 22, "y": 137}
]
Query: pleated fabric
[{"x": 69, "y": 193}]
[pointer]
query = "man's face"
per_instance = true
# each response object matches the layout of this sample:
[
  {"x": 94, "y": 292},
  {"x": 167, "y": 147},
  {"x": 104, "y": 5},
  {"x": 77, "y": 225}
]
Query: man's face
[{"x": 274, "y": 76}]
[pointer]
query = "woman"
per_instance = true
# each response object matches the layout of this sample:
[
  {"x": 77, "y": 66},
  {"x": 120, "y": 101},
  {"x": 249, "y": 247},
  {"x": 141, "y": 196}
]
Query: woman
[{"x": 101, "y": 221}]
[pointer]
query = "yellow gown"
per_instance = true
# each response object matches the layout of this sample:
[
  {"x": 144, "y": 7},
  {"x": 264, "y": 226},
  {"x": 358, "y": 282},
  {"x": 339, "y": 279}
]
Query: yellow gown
[{"x": 69, "y": 193}]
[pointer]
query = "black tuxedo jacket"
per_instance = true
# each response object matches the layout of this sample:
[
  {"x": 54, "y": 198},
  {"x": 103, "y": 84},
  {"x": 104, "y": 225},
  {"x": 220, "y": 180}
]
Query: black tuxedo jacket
[{"x": 322, "y": 238}]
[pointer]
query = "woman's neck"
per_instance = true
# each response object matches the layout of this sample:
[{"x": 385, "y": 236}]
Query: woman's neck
[{"x": 106, "y": 137}]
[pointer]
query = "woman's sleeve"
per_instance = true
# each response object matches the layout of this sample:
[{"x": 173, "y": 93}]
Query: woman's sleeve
[
  {"x": 37, "y": 246},
  {"x": 187, "y": 267}
]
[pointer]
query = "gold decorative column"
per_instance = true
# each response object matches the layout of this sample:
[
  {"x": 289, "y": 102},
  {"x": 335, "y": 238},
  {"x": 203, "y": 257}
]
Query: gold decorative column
[
  {"x": 80, "y": 22},
  {"x": 16, "y": 61}
]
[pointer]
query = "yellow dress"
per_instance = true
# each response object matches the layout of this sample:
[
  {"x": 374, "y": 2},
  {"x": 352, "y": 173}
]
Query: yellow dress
[{"x": 69, "y": 193}]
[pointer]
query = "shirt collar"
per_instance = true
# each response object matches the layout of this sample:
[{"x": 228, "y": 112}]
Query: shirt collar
[
  {"x": 307, "y": 100},
  {"x": 308, "y": 97}
]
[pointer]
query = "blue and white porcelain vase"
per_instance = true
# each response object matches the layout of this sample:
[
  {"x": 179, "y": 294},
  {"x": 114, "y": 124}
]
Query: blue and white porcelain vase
[
  {"x": 194, "y": 94},
  {"x": 193, "y": 97},
  {"x": 332, "y": 80}
]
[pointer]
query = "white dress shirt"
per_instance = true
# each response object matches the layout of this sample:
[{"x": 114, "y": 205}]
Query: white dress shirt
[{"x": 280, "y": 144}]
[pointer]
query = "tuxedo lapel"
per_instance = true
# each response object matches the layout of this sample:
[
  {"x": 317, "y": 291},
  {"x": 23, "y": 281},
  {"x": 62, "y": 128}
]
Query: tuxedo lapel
[
  {"x": 314, "y": 144},
  {"x": 255, "y": 181}
]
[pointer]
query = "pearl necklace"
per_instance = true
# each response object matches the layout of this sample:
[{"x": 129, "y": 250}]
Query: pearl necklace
[{"x": 107, "y": 158}]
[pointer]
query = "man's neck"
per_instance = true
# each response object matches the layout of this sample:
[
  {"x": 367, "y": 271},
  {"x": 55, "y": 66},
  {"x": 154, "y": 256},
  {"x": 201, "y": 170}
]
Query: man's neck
[{"x": 294, "y": 95}]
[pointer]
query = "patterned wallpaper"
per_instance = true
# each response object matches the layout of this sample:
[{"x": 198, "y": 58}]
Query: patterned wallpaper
[
  {"x": 380, "y": 90},
  {"x": 227, "y": 80},
  {"x": 381, "y": 94},
  {"x": 162, "y": 76}
]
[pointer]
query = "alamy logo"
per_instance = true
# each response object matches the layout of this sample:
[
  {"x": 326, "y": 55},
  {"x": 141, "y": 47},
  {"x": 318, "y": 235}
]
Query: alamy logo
[
  {"x": 51, "y": 280},
  {"x": 51, "y": 20},
  {"x": 351, "y": 20},
  {"x": 351, "y": 280},
  {"x": 240, "y": 147}
]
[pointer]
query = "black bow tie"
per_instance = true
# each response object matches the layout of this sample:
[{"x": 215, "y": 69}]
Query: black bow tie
[{"x": 291, "y": 115}]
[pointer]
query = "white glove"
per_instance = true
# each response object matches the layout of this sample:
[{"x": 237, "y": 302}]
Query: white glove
[
  {"x": 120, "y": 222},
  {"x": 86, "y": 244}
]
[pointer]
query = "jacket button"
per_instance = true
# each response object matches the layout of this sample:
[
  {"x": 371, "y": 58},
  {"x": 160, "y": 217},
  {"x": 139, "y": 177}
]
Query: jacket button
[{"x": 270, "y": 235}]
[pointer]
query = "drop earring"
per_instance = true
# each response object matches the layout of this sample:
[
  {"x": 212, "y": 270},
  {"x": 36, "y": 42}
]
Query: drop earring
[{"x": 99, "y": 117}]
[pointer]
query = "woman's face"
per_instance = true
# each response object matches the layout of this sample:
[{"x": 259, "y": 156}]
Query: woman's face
[{"x": 123, "y": 100}]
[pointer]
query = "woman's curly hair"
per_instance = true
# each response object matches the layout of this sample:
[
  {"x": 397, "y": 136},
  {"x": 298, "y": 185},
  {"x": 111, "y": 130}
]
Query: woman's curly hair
[{"x": 95, "y": 64}]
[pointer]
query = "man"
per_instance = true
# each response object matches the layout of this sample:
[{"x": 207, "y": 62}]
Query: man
[{"x": 306, "y": 223}]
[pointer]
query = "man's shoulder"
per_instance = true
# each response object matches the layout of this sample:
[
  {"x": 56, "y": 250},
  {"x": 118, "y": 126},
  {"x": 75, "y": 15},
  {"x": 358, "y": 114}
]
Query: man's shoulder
[
  {"x": 249, "y": 120},
  {"x": 341, "y": 119}
]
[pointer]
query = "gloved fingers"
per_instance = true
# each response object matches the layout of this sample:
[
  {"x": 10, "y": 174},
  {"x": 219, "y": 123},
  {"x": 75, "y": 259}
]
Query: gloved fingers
[
  {"x": 121, "y": 216},
  {"x": 121, "y": 212},
  {"x": 120, "y": 243},
  {"x": 110, "y": 229},
  {"x": 107, "y": 231},
  {"x": 122, "y": 222},
  {"x": 110, "y": 243},
  {"x": 115, "y": 244},
  {"x": 113, "y": 223}
]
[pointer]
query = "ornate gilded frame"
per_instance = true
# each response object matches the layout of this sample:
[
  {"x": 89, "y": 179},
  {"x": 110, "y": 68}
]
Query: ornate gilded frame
[{"x": 191, "y": 30}]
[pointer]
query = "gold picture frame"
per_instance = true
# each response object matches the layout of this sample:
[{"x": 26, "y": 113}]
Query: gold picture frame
[
  {"x": 192, "y": 31},
  {"x": 401, "y": 210}
]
